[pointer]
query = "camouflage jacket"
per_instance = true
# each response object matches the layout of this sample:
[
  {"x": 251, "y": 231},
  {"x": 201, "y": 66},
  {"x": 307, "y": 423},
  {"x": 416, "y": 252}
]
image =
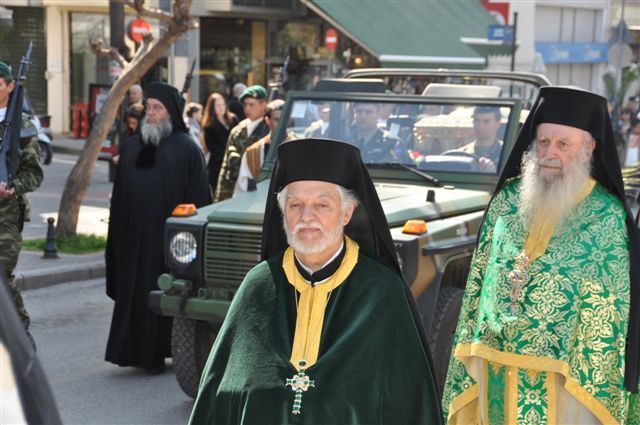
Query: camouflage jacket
[
  {"x": 28, "y": 177},
  {"x": 238, "y": 142}
]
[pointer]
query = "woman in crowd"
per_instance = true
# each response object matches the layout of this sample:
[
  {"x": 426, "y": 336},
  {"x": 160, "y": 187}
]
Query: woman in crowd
[{"x": 216, "y": 125}]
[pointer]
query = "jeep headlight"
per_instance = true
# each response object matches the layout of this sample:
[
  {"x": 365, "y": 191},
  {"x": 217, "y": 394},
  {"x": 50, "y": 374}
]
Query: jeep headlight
[{"x": 183, "y": 247}]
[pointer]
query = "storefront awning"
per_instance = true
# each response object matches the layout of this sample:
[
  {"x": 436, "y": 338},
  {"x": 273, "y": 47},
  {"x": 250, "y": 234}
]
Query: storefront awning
[
  {"x": 424, "y": 33},
  {"x": 486, "y": 47}
]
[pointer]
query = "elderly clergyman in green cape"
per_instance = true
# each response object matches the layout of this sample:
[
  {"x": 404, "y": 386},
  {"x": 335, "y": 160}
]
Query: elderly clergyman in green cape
[
  {"x": 549, "y": 327},
  {"x": 324, "y": 330}
]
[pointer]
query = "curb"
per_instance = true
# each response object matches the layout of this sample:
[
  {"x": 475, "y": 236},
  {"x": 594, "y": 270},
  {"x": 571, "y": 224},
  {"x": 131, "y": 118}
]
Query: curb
[{"x": 43, "y": 278}]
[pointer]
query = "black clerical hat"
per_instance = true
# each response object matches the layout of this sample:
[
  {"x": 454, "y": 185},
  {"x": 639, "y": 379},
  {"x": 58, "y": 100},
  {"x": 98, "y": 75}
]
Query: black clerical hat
[
  {"x": 171, "y": 100},
  {"x": 588, "y": 111},
  {"x": 334, "y": 162}
]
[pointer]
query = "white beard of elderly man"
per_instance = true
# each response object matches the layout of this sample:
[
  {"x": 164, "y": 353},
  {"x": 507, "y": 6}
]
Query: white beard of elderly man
[
  {"x": 554, "y": 170},
  {"x": 547, "y": 331},
  {"x": 322, "y": 331}
]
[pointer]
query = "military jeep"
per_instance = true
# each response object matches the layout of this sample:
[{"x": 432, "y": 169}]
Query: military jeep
[{"x": 433, "y": 194}]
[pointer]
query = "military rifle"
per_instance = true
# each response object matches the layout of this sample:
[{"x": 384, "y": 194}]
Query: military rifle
[
  {"x": 10, "y": 127},
  {"x": 275, "y": 87},
  {"x": 187, "y": 85},
  {"x": 187, "y": 79}
]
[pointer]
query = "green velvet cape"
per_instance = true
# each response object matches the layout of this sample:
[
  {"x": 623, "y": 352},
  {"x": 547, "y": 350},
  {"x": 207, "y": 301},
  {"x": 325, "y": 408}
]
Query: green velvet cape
[{"x": 371, "y": 368}]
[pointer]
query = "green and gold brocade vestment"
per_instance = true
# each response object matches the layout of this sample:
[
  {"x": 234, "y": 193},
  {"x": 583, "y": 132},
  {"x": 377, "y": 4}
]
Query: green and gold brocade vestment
[{"x": 557, "y": 355}]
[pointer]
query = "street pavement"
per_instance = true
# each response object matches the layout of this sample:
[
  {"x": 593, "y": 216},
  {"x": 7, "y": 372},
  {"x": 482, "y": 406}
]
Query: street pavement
[
  {"x": 70, "y": 324},
  {"x": 32, "y": 270}
]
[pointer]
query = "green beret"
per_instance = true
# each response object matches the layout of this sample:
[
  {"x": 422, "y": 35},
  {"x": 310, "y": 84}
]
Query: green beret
[
  {"x": 255, "y": 92},
  {"x": 5, "y": 71}
]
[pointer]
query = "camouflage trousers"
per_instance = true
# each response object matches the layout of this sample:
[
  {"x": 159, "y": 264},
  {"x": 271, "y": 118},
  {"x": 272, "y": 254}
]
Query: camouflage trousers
[{"x": 10, "y": 240}]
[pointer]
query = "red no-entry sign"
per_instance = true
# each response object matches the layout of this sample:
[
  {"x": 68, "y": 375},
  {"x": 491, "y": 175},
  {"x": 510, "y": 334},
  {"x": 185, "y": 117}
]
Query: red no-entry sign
[
  {"x": 138, "y": 28},
  {"x": 331, "y": 39}
]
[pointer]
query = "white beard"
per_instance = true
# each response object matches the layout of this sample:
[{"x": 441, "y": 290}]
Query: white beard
[
  {"x": 549, "y": 194},
  {"x": 153, "y": 133},
  {"x": 328, "y": 238}
]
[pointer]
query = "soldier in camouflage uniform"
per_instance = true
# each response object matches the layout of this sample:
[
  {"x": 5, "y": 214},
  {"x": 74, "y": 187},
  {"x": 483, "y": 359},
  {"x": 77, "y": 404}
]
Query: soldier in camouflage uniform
[
  {"x": 247, "y": 132},
  {"x": 14, "y": 209}
]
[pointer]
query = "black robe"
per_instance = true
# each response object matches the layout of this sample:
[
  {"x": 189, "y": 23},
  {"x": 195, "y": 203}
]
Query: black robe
[
  {"x": 144, "y": 195},
  {"x": 372, "y": 367},
  {"x": 215, "y": 137}
]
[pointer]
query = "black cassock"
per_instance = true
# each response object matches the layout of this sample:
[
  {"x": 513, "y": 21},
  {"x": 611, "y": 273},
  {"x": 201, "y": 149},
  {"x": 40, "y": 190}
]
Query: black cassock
[{"x": 149, "y": 183}]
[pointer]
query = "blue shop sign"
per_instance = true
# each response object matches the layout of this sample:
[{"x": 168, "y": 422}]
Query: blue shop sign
[
  {"x": 572, "y": 52},
  {"x": 502, "y": 33}
]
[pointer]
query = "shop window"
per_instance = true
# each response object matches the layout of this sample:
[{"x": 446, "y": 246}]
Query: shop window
[
  {"x": 300, "y": 38},
  {"x": 26, "y": 24},
  {"x": 86, "y": 67},
  {"x": 233, "y": 51}
]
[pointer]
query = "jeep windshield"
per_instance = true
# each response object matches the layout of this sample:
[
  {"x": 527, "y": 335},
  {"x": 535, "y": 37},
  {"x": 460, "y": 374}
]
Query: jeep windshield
[{"x": 435, "y": 136}]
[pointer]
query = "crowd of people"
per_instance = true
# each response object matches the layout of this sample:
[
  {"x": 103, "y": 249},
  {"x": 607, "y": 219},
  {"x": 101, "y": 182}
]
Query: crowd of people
[
  {"x": 549, "y": 330},
  {"x": 223, "y": 129},
  {"x": 557, "y": 246}
]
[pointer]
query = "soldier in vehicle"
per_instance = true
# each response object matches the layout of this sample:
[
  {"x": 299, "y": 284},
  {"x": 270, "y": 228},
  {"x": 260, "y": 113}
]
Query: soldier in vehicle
[
  {"x": 486, "y": 146},
  {"x": 14, "y": 208},
  {"x": 247, "y": 132},
  {"x": 376, "y": 145},
  {"x": 324, "y": 330},
  {"x": 319, "y": 128}
]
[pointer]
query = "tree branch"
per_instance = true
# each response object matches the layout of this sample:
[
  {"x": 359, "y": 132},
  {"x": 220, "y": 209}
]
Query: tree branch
[
  {"x": 96, "y": 46},
  {"x": 144, "y": 49},
  {"x": 138, "y": 6}
]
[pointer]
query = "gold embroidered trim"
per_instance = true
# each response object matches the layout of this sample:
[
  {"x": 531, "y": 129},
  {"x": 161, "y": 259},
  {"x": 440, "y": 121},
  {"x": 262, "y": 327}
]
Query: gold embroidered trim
[
  {"x": 551, "y": 399},
  {"x": 313, "y": 303},
  {"x": 511, "y": 394},
  {"x": 462, "y": 400},
  {"x": 463, "y": 351},
  {"x": 485, "y": 387}
]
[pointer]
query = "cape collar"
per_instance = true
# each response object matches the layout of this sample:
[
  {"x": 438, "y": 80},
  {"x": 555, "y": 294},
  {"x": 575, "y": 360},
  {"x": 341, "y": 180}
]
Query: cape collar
[{"x": 326, "y": 271}]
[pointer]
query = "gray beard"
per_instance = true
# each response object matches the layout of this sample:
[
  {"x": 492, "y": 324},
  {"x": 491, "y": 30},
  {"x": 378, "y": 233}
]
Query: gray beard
[
  {"x": 152, "y": 134},
  {"x": 554, "y": 196},
  {"x": 328, "y": 238}
]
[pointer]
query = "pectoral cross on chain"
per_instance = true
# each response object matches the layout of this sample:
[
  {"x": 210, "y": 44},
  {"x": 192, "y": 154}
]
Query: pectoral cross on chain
[
  {"x": 518, "y": 277},
  {"x": 299, "y": 383}
]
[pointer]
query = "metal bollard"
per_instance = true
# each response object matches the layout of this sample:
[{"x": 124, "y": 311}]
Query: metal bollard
[{"x": 50, "y": 248}]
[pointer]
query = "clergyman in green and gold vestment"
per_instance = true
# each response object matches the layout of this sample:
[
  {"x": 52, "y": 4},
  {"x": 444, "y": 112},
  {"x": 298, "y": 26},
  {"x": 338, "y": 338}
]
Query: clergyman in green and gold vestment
[
  {"x": 543, "y": 334},
  {"x": 564, "y": 346}
]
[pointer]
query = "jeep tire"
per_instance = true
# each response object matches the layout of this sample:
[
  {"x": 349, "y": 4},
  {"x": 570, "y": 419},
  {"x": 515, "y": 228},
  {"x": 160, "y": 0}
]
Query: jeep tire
[
  {"x": 191, "y": 342},
  {"x": 443, "y": 330}
]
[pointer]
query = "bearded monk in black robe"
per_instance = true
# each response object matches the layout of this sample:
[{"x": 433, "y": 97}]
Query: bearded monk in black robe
[{"x": 159, "y": 168}]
